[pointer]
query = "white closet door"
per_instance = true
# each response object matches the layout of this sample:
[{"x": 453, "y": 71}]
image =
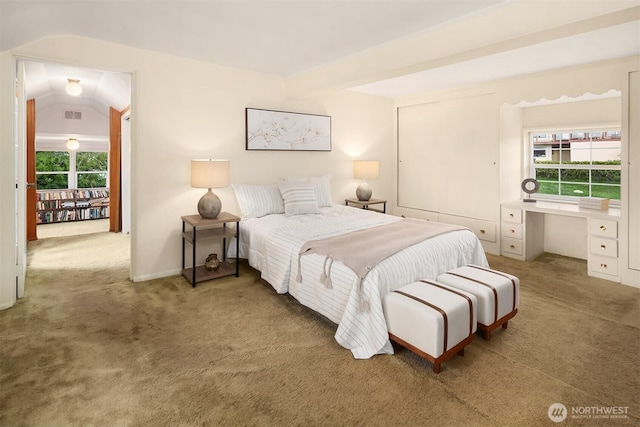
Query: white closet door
[
  {"x": 448, "y": 156},
  {"x": 419, "y": 162},
  {"x": 634, "y": 170}
]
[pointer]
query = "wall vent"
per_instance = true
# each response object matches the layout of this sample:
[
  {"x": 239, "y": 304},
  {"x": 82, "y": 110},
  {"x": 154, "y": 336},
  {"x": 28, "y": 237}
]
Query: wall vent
[{"x": 73, "y": 115}]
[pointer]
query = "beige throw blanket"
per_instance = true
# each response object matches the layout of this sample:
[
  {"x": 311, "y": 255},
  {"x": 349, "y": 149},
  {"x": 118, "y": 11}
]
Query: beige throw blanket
[{"x": 363, "y": 249}]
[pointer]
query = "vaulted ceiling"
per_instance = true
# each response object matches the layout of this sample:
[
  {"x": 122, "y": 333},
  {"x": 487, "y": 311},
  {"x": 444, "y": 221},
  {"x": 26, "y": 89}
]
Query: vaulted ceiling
[{"x": 382, "y": 47}]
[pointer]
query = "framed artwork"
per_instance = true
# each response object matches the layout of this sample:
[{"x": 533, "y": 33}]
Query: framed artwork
[{"x": 280, "y": 130}]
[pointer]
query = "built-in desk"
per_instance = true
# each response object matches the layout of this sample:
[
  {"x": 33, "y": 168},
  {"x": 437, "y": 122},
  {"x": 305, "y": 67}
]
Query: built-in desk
[{"x": 522, "y": 233}]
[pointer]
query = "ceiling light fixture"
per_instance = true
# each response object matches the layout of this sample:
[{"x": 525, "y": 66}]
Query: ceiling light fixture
[
  {"x": 73, "y": 144},
  {"x": 73, "y": 88}
]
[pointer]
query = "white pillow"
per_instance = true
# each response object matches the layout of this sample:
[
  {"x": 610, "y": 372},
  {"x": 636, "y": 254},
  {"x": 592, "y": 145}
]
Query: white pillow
[
  {"x": 321, "y": 185},
  {"x": 256, "y": 201},
  {"x": 299, "y": 198}
]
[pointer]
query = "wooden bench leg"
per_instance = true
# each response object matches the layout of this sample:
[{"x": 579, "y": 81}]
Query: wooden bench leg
[
  {"x": 436, "y": 367},
  {"x": 505, "y": 325},
  {"x": 461, "y": 352}
]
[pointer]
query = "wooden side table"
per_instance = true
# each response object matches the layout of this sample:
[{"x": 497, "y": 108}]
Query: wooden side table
[
  {"x": 207, "y": 229},
  {"x": 366, "y": 204}
]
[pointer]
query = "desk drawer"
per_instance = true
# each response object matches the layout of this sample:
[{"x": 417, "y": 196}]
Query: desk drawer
[
  {"x": 604, "y": 247},
  {"x": 512, "y": 215},
  {"x": 603, "y": 227},
  {"x": 512, "y": 246},
  {"x": 512, "y": 230},
  {"x": 603, "y": 265}
]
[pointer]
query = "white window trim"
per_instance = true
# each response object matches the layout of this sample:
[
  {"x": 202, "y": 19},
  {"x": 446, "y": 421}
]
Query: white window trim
[{"x": 527, "y": 170}]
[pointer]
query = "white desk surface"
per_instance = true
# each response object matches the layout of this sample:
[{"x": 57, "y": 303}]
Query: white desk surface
[{"x": 562, "y": 209}]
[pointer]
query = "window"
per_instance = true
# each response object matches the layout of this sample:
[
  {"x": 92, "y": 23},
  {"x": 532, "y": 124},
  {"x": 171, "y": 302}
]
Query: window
[
  {"x": 91, "y": 169},
  {"x": 58, "y": 170},
  {"x": 571, "y": 164},
  {"x": 52, "y": 170}
]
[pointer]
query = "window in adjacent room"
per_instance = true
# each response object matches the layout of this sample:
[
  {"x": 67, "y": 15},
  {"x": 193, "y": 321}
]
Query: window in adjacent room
[
  {"x": 91, "y": 169},
  {"x": 52, "y": 170},
  {"x": 569, "y": 164},
  {"x": 60, "y": 170}
]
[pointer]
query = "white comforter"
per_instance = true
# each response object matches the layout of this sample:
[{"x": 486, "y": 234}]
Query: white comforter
[{"x": 271, "y": 244}]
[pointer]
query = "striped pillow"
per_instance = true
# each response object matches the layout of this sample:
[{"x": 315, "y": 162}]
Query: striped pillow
[
  {"x": 256, "y": 201},
  {"x": 299, "y": 198},
  {"x": 321, "y": 185}
]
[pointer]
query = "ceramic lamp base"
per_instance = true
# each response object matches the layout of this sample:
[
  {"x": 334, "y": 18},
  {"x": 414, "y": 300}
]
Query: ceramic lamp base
[
  {"x": 209, "y": 205},
  {"x": 363, "y": 192}
]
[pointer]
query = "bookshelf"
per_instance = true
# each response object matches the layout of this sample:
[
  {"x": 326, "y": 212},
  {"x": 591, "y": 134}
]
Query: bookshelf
[{"x": 71, "y": 205}]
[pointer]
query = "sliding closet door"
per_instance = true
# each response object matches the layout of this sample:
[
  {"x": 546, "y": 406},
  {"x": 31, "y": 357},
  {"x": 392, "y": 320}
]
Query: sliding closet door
[
  {"x": 448, "y": 155},
  {"x": 418, "y": 160}
]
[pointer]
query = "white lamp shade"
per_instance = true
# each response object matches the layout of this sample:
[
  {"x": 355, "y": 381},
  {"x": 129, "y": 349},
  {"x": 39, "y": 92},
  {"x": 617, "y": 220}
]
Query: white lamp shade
[
  {"x": 73, "y": 144},
  {"x": 73, "y": 88},
  {"x": 366, "y": 169},
  {"x": 208, "y": 173}
]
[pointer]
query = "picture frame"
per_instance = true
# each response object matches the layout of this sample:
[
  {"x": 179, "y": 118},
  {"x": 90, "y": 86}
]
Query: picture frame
[{"x": 271, "y": 130}]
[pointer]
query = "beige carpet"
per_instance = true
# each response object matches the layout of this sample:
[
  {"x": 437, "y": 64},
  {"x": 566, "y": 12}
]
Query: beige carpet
[{"x": 88, "y": 347}]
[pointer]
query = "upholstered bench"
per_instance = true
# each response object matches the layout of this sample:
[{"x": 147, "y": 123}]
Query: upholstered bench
[
  {"x": 497, "y": 294},
  {"x": 433, "y": 320}
]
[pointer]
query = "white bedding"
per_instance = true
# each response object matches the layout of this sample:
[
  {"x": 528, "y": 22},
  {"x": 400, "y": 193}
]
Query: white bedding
[{"x": 271, "y": 245}]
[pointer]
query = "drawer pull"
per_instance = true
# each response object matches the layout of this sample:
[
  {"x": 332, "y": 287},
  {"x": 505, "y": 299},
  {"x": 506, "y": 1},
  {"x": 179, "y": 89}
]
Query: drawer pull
[
  {"x": 511, "y": 215},
  {"x": 603, "y": 228},
  {"x": 603, "y": 265},
  {"x": 512, "y": 230},
  {"x": 512, "y": 246},
  {"x": 482, "y": 231},
  {"x": 603, "y": 247}
]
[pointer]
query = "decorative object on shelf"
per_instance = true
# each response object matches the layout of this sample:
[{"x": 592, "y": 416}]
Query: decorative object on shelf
[
  {"x": 597, "y": 203},
  {"x": 209, "y": 173},
  {"x": 212, "y": 263},
  {"x": 280, "y": 130},
  {"x": 365, "y": 169},
  {"x": 530, "y": 186},
  {"x": 73, "y": 87},
  {"x": 73, "y": 144}
]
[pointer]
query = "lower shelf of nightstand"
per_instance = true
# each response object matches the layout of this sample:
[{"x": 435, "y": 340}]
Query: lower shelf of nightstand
[{"x": 202, "y": 274}]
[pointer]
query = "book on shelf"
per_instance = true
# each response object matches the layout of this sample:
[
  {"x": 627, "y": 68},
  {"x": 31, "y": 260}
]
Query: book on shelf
[{"x": 71, "y": 205}]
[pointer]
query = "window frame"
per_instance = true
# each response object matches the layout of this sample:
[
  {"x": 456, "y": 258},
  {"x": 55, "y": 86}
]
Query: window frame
[
  {"x": 528, "y": 158},
  {"x": 72, "y": 173}
]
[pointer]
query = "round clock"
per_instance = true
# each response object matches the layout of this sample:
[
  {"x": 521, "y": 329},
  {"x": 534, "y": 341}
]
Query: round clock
[{"x": 530, "y": 186}]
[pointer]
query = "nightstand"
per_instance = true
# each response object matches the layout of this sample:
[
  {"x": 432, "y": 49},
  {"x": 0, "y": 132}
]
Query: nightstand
[
  {"x": 209, "y": 229},
  {"x": 366, "y": 204}
]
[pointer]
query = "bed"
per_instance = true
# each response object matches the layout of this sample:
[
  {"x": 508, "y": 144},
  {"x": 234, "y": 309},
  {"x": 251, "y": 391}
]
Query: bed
[{"x": 271, "y": 243}]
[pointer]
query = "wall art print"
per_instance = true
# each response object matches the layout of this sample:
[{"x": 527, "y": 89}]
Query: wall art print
[{"x": 280, "y": 130}]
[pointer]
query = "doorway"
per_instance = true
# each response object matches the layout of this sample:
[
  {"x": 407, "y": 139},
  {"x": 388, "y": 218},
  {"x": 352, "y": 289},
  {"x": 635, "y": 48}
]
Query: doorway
[{"x": 73, "y": 136}]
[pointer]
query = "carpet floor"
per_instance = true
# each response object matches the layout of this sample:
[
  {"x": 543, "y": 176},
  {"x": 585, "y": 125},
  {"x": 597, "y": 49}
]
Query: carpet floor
[{"x": 86, "y": 346}]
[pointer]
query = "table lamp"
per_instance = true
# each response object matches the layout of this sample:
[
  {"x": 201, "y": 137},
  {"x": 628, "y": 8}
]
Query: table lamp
[
  {"x": 365, "y": 169},
  {"x": 209, "y": 173}
]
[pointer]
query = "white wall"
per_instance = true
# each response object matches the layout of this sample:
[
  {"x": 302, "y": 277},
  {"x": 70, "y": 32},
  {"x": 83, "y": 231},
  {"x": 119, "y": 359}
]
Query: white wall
[
  {"x": 50, "y": 120},
  {"x": 184, "y": 109}
]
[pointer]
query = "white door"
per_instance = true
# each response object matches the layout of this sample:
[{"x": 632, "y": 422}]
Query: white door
[{"x": 20, "y": 130}]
